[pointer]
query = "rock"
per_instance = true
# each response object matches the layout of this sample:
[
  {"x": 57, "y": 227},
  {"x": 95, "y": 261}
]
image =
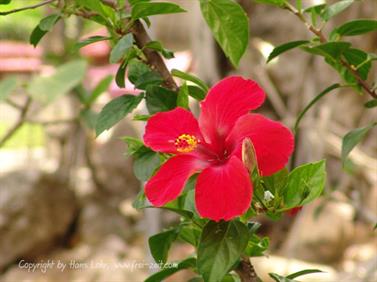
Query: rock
[
  {"x": 114, "y": 168},
  {"x": 35, "y": 211},
  {"x": 284, "y": 266},
  {"x": 321, "y": 239},
  {"x": 99, "y": 218}
]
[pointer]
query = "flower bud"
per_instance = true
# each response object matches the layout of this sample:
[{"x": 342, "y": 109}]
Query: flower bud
[{"x": 248, "y": 155}]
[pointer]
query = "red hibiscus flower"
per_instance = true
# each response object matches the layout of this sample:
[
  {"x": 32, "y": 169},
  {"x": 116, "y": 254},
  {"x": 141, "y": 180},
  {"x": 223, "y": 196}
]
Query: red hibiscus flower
[{"x": 212, "y": 146}]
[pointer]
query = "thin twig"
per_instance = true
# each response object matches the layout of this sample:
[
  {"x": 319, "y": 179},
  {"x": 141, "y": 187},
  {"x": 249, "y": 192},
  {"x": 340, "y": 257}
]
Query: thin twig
[
  {"x": 110, "y": 3},
  {"x": 21, "y": 120},
  {"x": 26, "y": 8},
  {"x": 368, "y": 89}
]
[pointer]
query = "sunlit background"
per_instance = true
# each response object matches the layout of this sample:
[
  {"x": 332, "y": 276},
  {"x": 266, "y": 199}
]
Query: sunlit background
[{"x": 67, "y": 196}]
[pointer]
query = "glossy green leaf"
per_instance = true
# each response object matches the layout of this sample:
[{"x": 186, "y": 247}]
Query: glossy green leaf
[
  {"x": 146, "y": 164},
  {"x": 276, "y": 182},
  {"x": 352, "y": 138},
  {"x": 135, "y": 147},
  {"x": 46, "y": 89},
  {"x": 156, "y": 45},
  {"x": 101, "y": 87},
  {"x": 146, "y": 9},
  {"x": 355, "y": 27},
  {"x": 196, "y": 92},
  {"x": 371, "y": 104},
  {"x": 280, "y": 3},
  {"x": 334, "y": 9},
  {"x": 190, "y": 234},
  {"x": 89, "y": 40},
  {"x": 256, "y": 246},
  {"x": 159, "y": 244},
  {"x": 97, "y": 6},
  {"x": 189, "y": 77},
  {"x": 44, "y": 26},
  {"x": 116, "y": 110},
  {"x": 166, "y": 272},
  {"x": 7, "y": 86},
  {"x": 142, "y": 76},
  {"x": 229, "y": 25},
  {"x": 331, "y": 50},
  {"x": 183, "y": 97},
  {"x": 303, "y": 272},
  {"x": 120, "y": 76},
  {"x": 305, "y": 183},
  {"x": 120, "y": 48},
  {"x": 359, "y": 60},
  {"x": 220, "y": 246},
  {"x": 160, "y": 99},
  {"x": 285, "y": 47},
  {"x": 279, "y": 278}
]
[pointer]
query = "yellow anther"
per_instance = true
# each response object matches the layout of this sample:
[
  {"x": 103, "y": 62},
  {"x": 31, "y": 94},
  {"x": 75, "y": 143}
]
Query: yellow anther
[{"x": 186, "y": 143}]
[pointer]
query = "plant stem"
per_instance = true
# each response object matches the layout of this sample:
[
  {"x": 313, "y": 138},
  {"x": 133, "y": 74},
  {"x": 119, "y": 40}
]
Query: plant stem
[
  {"x": 246, "y": 271},
  {"x": 18, "y": 124},
  {"x": 27, "y": 8},
  {"x": 367, "y": 88},
  {"x": 154, "y": 58}
]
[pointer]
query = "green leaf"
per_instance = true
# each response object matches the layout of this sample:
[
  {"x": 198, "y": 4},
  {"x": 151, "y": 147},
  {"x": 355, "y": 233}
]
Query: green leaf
[
  {"x": 334, "y": 9},
  {"x": 257, "y": 246},
  {"x": 146, "y": 9},
  {"x": 140, "y": 201},
  {"x": 352, "y": 138},
  {"x": 276, "y": 182},
  {"x": 160, "y": 244},
  {"x": 115, "y": 110},
  {"x": 305, "y": 183},
  {"x": 156, "y": 45},
  {"x": 96, "y": 6},
  {"x": 88, "y": 41},
  {"x": 44, "y": 26},
  {"x": 303, "y": 272},
  {"x": 196, "y": 92},
  {"x": 190, "y": 234},
  {"x": 142, "y": 76},
  {"x": 4, "y": 2},
  {"x": 229, "y": 25},
  {"x": 312, "y": 102},
  {"x": 121, "y": 76},
  {"x": 7, "y": 86},
  {"x": 359, "y": 60},
  {"x": 160, "y": 99},
  {"x": 279, "y": 3},
  {"x": 221, "y": 245},
  {"x": 146, "y": 164},
  {"x": 166, "y": 272},
  {"x": 355, "y": 27},
  {"x": 133, "y": 145},
  {"x": 189, "y": 77},
  {"x": 279, "y": 278},
  {"x": 182, "y": 98},
  {"x": 285, "y": 47},
  {"x": 121, "y": 47},
  {"x": 46, "y": 89},
  {"x": 101, "y": 87},
  {"x": 369, "y": 104},
  {"x": 331, "y": 50}
]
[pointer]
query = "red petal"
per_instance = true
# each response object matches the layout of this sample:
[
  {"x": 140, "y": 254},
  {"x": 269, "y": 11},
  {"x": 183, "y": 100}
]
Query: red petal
[
  {"x": 229, "y": 99},
  {"x": 168, "y": 182},
  {"x": 273, "y": 142},
  {"x": 163, "y": 128},
  {"x": 223, "y": 192}
]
